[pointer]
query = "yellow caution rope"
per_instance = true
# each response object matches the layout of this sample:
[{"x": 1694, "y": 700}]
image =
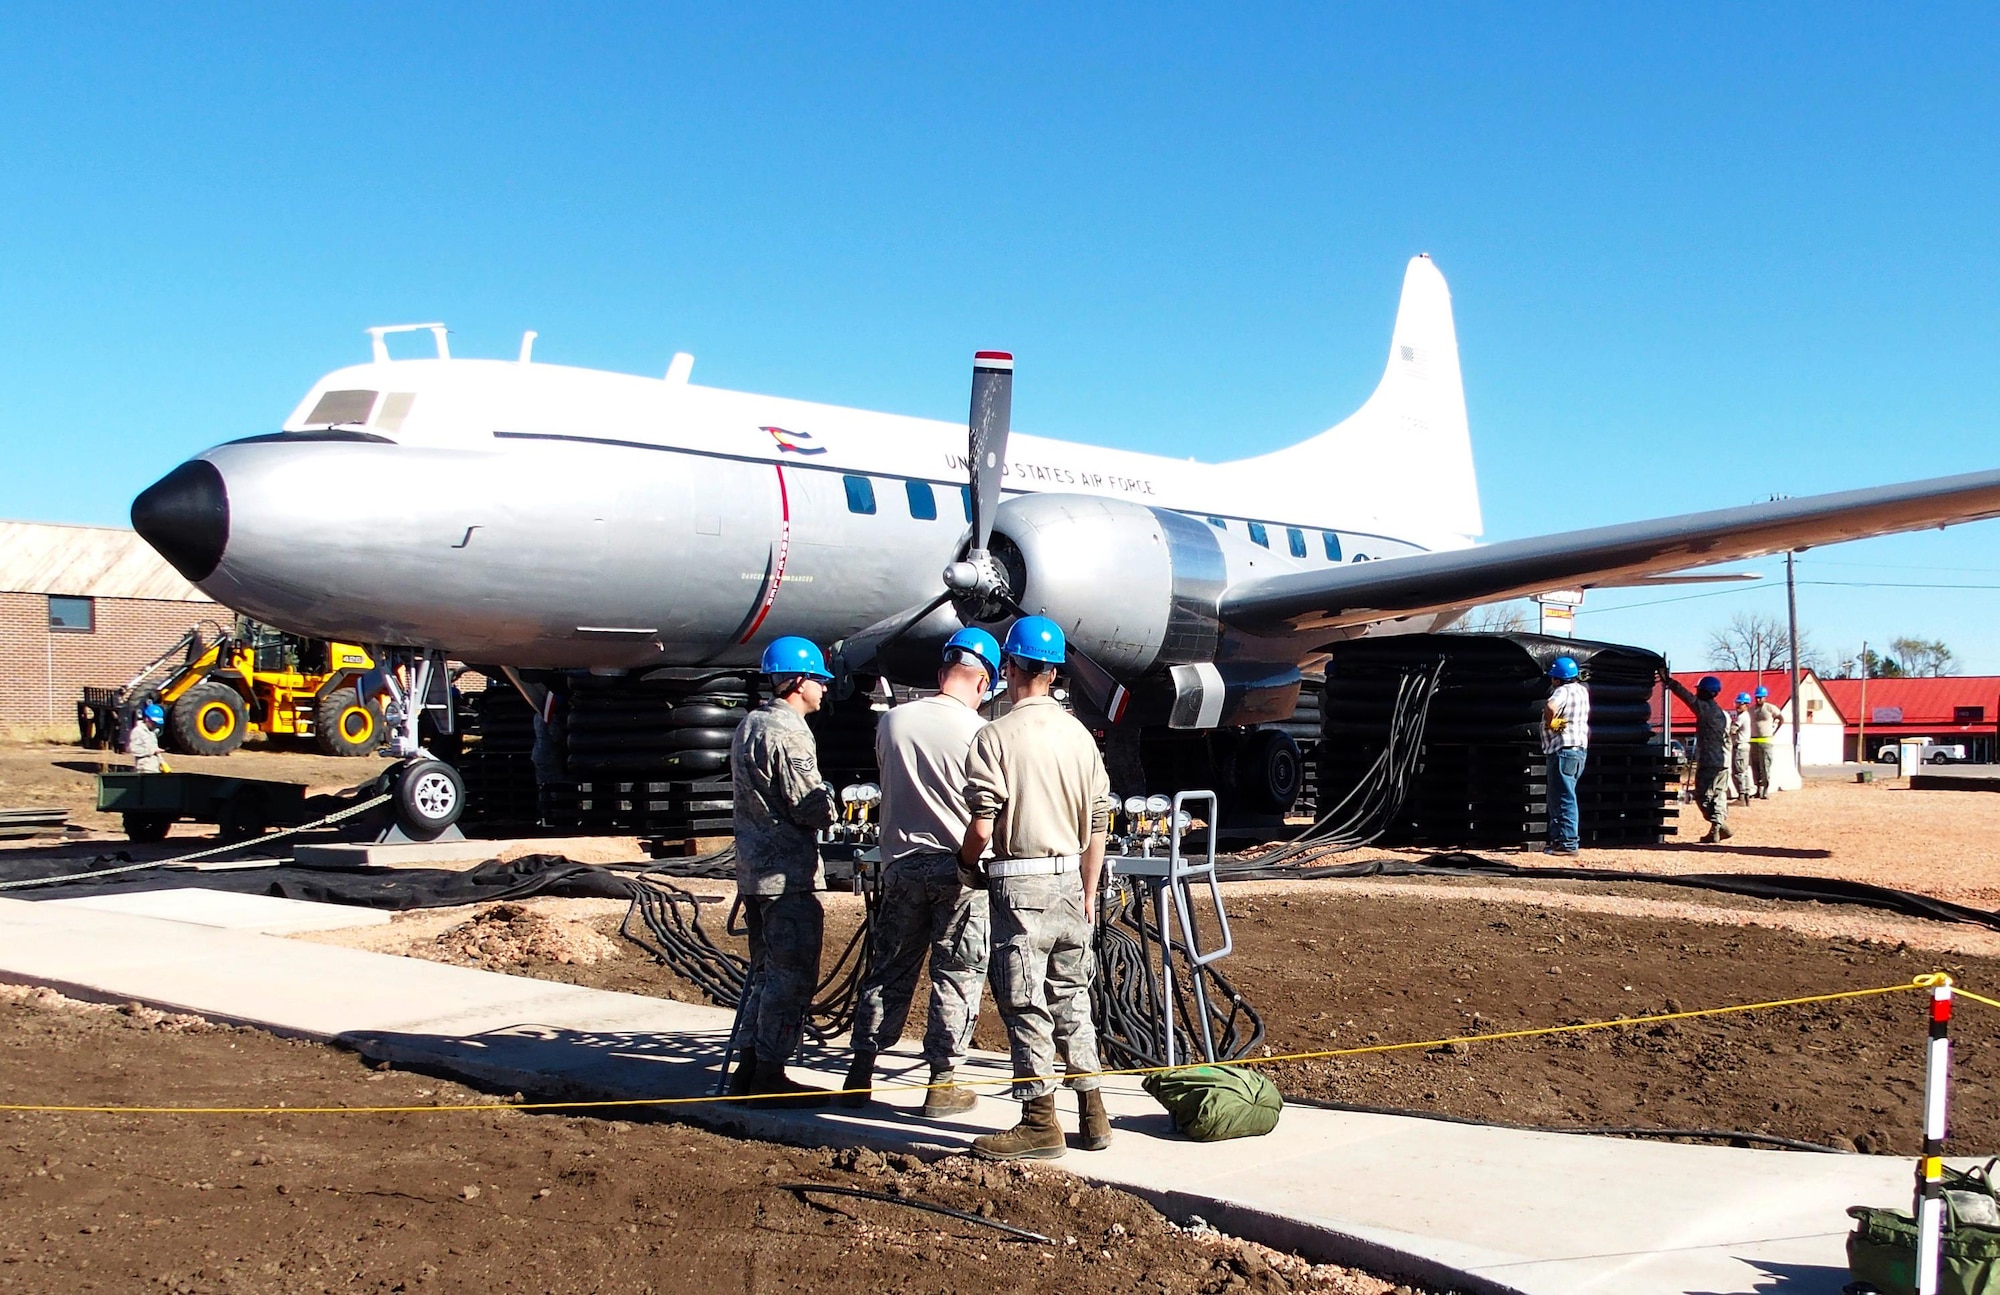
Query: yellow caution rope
[{"x": 1926, "y": 981}]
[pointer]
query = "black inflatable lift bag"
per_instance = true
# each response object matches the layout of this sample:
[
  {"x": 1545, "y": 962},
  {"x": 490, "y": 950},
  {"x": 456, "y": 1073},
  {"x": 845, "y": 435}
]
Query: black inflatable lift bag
[
  {"x": 1882, "y": 1249},
  {"x": 1216, "y": 1103}
]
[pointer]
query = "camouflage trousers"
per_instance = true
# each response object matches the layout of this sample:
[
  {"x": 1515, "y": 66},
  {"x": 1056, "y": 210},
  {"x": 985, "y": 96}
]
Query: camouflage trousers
[
  {"x": 924, "y": 908},
  {"x": 785, "y": 935},
  {"x": 1741, "y": 784},
  {"x": 1711, "y": 792},
  {"x": 1042, "y": 965}
]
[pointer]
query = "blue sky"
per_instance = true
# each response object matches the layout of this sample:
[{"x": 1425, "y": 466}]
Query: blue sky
[{"x": 1699, "y": 256}]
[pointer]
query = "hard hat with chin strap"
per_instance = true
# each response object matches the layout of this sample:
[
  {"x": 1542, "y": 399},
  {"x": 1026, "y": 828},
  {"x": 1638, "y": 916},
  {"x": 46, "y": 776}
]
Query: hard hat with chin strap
[
  {"x": 1563, "y": 669},
  {"x": 794, "y": 655},
  {"x": 154, "y": 713},
  {"x": 1037, "y": 639}
]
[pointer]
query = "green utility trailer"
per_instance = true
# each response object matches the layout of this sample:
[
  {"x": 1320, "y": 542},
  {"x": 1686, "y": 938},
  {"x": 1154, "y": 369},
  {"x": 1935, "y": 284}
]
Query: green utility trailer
[{"x": 151, "y": 803}]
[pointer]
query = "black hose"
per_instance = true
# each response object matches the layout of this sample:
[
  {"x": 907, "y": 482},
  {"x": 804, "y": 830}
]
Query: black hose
[{"x": 932, "y": 1207}]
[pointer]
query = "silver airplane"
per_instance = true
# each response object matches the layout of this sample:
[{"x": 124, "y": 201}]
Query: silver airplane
[{"x": 536, "y": 515}]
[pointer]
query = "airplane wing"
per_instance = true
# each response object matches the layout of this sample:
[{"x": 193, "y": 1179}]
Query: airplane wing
[{"x": 1360, "y": 593}]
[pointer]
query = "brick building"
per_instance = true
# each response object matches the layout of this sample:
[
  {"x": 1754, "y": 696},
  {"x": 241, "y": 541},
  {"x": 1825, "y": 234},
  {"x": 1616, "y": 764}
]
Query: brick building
[{"x": 82, "y": 605}]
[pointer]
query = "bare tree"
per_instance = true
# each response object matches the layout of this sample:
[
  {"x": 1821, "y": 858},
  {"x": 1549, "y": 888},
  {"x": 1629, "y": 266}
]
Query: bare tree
[
  {"x": 1755, "y": 642},
  {"x": 1927, "y": 657},
  {"x": 1495, "y": 618}
]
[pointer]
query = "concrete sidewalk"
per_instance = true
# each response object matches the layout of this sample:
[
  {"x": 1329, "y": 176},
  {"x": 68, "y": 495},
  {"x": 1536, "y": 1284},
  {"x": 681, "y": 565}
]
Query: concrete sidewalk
[{"x": 1443, "y": 1204}]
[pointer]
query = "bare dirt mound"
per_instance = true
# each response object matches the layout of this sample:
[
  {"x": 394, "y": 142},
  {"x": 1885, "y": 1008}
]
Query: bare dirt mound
[{"x": 505, "y": 1201}]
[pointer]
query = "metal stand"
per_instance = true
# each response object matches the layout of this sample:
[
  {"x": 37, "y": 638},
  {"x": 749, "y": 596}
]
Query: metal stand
[{"x": 1168, "y": 879}]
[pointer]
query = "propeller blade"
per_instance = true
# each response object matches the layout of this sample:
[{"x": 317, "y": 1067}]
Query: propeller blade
[
  {"x": 860, "y": 649},
  {"x": 1097, "y": 686},
  {"x": 987, "y": 428}
]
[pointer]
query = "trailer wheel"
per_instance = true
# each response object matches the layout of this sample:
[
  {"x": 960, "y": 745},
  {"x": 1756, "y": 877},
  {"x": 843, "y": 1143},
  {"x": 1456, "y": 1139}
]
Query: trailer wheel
[
  {"x": 146, "y": 828},
  {"x": 429, "y": 798},
  {"x": 347, "y": 725},
  {"x": 208, "y": 720}
]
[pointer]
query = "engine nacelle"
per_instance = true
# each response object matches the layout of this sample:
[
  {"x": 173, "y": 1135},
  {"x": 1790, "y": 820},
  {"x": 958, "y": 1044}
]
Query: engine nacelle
[
  {"x": 1133, "y": 586},
  {"x": 1137, "y": 589}
]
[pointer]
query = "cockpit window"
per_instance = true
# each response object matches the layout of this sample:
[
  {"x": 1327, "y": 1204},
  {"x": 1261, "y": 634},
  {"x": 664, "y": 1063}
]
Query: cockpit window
[
  {"x": 395, "y": 408},
  {"x": 341, "y": 407}
]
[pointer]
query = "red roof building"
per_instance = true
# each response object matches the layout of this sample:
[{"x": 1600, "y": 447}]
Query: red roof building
[
  {"x": 1962, "y": 709},
  {"x": 1820, "y": 740}
]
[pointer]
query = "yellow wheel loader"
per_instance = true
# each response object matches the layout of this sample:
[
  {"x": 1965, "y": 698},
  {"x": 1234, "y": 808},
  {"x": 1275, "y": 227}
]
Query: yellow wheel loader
[{"x": 257, "y": 679}]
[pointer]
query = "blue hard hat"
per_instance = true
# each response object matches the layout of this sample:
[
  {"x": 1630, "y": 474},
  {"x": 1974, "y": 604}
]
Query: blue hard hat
[
  {"x": 1709, "y": 684},
  {"x": 1742, "y": 699},
  {"x": 1037, "y": 638},
  {"x": 1563, "y": 669},
  {"x": 980, "y": 644},
  {"x": 1762, "y": 692},
  {"x": 155, "y": 712},
  {"x": 794, "y": 655}
]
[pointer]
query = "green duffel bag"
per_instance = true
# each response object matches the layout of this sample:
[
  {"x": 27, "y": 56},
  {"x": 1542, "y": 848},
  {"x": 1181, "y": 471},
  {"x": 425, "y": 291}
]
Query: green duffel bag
[
  {"x": 1882, "y": 1249},
  {"x": 1215, "y": 1103}
]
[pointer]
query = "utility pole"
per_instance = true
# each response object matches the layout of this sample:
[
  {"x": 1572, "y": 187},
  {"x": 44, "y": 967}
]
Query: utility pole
[
  {"x": 1798, "y": 707},
  {"x": 1861, "y": 741}
]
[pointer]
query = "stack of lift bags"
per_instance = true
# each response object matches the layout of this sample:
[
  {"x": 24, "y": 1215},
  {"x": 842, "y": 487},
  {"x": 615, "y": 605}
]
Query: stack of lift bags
[{"x": 1481, "y": 778}]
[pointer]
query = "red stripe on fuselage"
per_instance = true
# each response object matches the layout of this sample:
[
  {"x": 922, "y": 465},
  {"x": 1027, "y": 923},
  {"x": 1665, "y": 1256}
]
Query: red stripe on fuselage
[{"x": 784, "y": 553}]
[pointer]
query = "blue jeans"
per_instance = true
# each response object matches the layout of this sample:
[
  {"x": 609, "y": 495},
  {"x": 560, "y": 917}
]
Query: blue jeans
[{"x": 1565, "y": 767}]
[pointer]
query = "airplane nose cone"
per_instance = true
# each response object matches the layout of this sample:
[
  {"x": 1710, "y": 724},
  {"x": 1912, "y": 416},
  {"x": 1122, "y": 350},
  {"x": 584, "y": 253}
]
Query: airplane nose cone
[{"x": 185, "y": 515}]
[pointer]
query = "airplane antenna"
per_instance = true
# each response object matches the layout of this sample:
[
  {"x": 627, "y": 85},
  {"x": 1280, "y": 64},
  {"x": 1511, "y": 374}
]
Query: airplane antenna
[{"x": 528, "y": 345}]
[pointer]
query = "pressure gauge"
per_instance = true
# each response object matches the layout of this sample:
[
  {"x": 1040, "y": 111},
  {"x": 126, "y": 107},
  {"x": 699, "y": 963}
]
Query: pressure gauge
[
  {"x": 1135, "y": 805},
  {"x": 1158, "y": 804}
]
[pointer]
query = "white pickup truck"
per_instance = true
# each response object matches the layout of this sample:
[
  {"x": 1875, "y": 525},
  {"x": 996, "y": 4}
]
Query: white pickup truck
[{"x": 1928, "y": 753}]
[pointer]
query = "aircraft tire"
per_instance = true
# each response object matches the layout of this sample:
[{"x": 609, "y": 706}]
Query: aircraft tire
[
  {"x": 699, "y": 714},
  {"x": 1268, "y": 772},
  {"x": 429, "y": 797},
  {"x": 208, "y": 719}
]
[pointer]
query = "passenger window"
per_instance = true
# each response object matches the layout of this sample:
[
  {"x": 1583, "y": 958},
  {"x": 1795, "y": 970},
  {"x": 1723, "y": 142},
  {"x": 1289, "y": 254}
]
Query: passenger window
[
  {"x": 1218, "y": 523},
  {"x": 1295, "y": 540},
  {"x": 923, "y": 503},
  {"x": 1258, "y": 535},
  {"x": 1332, "y": 543},
  {"x": 860, "y": 495}
]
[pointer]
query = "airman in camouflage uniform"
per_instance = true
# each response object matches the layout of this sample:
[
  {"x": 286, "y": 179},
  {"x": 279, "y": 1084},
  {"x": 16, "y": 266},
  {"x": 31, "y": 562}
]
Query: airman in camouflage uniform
[
  {"x": 781, "y": 805},
  {"x": 920, "y": 747},
  {"x": 1038, "y": 793}
]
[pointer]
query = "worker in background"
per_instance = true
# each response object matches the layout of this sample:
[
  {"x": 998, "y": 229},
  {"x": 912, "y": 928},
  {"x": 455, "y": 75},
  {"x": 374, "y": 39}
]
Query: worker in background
[
  {"x": 144, "y": 743},
  {"x": 1039, "y": 797},
  {"x": 1740, "y": 784},
  {"x": 1765, "y": 721},
  {"x": 1711, "y": 752},
  {"x": 781, "y": 805},
  {"x": 921, "y": 749},
  {"x": 1565, "y": 739}
]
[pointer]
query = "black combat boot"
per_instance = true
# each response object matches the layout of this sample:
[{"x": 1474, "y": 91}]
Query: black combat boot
[
  {"x": 860, "y": 1076},
  {"x": 780, "y": 1092}
]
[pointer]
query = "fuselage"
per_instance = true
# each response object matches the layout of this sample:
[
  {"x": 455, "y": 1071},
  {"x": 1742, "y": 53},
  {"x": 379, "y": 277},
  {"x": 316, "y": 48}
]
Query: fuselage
[{"x": 539, "y": 515}]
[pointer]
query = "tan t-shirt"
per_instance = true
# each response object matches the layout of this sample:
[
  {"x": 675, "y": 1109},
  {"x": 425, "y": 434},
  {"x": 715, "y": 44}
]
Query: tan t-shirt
[
  {"x": 920, "y": 748},
  {"x": 1037, "y": 774}
]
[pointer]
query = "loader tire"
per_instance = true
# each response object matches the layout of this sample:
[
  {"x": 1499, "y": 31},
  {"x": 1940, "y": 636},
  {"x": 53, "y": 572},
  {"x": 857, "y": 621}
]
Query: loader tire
[
  {"x": 208, "y": 720},
  {"x": 347, "y": 725}
]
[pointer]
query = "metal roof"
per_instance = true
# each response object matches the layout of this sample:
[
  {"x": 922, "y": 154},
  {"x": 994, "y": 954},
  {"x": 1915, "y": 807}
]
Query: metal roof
[
  {"x": 1920, "y": 703},
  {"x": 87, "y": 561}
]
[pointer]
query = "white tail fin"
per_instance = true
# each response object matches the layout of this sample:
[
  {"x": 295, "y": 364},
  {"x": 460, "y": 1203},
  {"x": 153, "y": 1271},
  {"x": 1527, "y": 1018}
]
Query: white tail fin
[{"x": 1405, "y": 457}]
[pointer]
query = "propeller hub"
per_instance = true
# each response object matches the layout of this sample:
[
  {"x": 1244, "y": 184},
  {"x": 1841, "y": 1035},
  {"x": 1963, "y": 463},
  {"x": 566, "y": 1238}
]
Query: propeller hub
[{"x": 979, "y": 586}]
